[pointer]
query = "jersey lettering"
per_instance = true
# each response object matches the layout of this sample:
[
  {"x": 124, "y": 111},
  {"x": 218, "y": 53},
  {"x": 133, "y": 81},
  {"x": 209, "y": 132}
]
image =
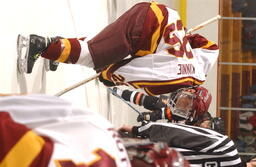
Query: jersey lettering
[
  {"x": 178, "y": 47},
  {"x": 186, "y": 69},
  {"x": 119, "y": 145}
]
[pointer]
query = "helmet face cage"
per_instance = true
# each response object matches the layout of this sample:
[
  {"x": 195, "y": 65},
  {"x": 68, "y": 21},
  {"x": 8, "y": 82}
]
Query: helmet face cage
[{"x": 181, "y": 103}]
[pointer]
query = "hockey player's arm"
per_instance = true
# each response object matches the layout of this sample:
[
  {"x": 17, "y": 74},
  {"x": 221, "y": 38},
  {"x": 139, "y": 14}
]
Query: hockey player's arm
[
  {"x": 159, "y": 110},
  {"x": 177, "y": 135},
  {"x": 138, "y": 98},
  {"x": 198, "y": 41},
  {"x": 206, "y": 51},
  {"x": 173, "y": 136}
]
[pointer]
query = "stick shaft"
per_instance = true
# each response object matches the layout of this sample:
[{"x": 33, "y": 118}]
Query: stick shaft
[
  {"x": 78, "y": 84},
  {"x": 204, "y": 24},
  {"x": 115, "y": 94}
]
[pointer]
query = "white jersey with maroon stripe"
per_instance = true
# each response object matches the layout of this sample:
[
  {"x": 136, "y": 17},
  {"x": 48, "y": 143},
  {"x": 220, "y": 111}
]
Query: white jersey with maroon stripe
[
  {"x": 81, "y": 137},
  {"x": 172, "y": 65}
]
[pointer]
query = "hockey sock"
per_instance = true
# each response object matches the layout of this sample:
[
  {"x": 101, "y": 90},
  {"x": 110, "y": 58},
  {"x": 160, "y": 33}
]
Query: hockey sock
[{"x": 69, "y": 50}]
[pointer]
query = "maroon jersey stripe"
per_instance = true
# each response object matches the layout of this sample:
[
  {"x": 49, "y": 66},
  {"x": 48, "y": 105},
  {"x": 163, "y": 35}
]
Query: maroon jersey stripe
[
  {"x": 213, "y": 47},
  {"x": 150, "y": 26},
  {"x": 165, "y": 20},
  {"x": 197, "y": 41},
  {"x": 82, "y": 38},
  {"x": 44, "y": 156}
]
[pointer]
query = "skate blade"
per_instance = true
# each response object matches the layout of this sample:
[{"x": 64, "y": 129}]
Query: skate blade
[{"x": 22, "y": 48}]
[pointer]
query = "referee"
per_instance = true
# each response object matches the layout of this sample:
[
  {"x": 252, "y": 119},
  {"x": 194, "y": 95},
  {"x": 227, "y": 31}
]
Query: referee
[{"x": 200, "y": 146}]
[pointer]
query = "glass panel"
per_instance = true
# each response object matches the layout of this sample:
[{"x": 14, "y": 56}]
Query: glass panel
[{"x": 237, "y": 73}]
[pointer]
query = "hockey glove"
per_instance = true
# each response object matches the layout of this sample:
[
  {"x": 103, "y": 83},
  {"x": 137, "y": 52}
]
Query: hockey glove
[
  {"x": 218, "y": 125},
  {"x": 150, "y": 116}
]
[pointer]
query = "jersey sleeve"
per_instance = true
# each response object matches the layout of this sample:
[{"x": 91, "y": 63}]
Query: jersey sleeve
[
  {"x": 20, "y": 146},
  {"x": 198, "y": 41},
  {"x": 74, "y": 135},
  {"x": 205, "y": 51}
]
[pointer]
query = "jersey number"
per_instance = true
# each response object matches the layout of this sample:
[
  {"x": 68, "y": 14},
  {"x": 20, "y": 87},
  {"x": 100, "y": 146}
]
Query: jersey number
[{"x": 178, "y": 46}]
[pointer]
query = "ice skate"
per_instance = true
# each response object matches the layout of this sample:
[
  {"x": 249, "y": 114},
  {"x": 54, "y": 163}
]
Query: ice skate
[{"x": 33, "y": 45}]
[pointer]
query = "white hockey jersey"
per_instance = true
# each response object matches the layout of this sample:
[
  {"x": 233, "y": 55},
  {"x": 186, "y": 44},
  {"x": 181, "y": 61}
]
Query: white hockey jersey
[
  {"x": 177, "y": 60},
  {"x": 35, "y": 128}
]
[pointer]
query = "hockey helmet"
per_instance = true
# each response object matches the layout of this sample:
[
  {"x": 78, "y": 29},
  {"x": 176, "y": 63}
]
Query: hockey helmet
[
  {"x": 189, "y": 103},
  {"x": 202, "y": 100},
  {"x": 149, "y": 154}
]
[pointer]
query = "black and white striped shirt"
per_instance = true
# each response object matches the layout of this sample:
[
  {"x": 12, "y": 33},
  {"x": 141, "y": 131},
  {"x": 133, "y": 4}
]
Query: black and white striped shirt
[{"x": 201, "y": 147}]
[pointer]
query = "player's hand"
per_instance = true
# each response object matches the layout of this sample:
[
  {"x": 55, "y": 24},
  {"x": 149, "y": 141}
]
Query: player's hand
[
  {"x": 126, "y": 128},
  {"x": 145, "y": 116},
  {"x": 117, "y": 91},
  {"x": 150, "y": 116},
  {"x": 125, "y": 131}
]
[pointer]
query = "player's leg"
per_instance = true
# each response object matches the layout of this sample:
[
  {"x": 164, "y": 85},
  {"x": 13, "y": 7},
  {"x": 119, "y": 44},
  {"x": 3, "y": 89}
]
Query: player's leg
[
  {"x": 56, "y": 49},
  {"x": 115, "y": 42},
  {"x": 119, "y": 39},
  {"x": 69, "y": 50}
]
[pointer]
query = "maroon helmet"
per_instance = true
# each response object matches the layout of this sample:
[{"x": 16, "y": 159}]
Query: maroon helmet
[
  {"x": 148, "y": 154},
  {"x": 202, "y": 100},
  {"x": 189, "y": 103}
]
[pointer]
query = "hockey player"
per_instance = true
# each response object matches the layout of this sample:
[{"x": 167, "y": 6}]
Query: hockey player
[
  {"x": 146, "y": 47},
  {"x": 200, "y": 146},
  {"x": 46, "y": 131},
  {"x": 193, "y": 102},
  {"x": 186, "y": 105}
]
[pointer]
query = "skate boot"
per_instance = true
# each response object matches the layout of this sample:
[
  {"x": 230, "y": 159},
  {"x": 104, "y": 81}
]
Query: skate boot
[{"x": 34, "y": 45}]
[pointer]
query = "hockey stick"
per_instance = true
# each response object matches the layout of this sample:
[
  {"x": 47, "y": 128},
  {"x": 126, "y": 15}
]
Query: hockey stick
[
  {"x": 78, "y": 84},
  {"x": 203, "y": 24},
  {"x": 115, "y": 94},
  {"x": 97, "y": 75},
  {"x": 238, "y": 18}
]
